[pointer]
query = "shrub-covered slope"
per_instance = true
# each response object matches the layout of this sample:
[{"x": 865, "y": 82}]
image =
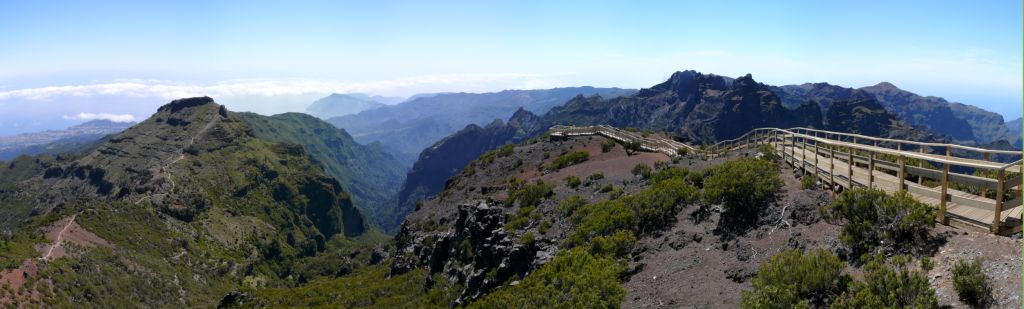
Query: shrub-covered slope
[
  {"x": 368, "y": 173},
  {"x": 175, "y": 211}
]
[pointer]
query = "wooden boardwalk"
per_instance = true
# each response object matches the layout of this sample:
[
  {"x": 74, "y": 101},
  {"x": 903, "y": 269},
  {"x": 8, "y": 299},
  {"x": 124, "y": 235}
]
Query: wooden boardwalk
[{"x": 988, "y": 199}]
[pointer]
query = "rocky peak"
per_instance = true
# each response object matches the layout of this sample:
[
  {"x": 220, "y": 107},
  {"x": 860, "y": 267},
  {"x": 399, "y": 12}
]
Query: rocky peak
[
  {"x": 685, "y": 83},
  {"x": 886, "y": 86},
  {"x": 179, "y": 104}
]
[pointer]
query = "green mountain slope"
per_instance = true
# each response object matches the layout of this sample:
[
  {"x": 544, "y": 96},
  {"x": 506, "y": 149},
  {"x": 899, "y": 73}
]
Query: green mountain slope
[
  {"x": 176, "y": 211},
  {"x": 369, "y": 173}
]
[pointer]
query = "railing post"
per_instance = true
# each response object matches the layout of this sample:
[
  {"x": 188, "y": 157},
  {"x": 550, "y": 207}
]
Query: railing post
[
  {"x": 902, "y": 173},
  {"x": 871, "y": 169},
  {"x": 984, "y": 173},
  {"x": 816, "y": 157},
  {"x": 849, "y": 168},
  {"x": 832, "y": 167},
  {"x": 999, "y": 202},
  {"x": 942, "y": 194},
  {"x": 920, "y": 163},
  {"x": 793, "y": 148},
  {"x": 803, "y": 154}
]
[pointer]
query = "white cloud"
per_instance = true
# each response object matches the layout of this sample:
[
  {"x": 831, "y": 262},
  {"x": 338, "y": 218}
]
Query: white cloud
[
  {"x": 101, "y": 116},
  {"x": 274, "y": 87}
]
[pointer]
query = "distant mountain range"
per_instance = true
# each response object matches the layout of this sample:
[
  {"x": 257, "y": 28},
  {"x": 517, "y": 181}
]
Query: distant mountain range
[
  {"x": 961, "y": 122},
  {"x": 56, "y": 141},
  {"x": 698, "y": 108},
  {"x": 337, "y": 104},
  {"x": 409, "y": 127}
]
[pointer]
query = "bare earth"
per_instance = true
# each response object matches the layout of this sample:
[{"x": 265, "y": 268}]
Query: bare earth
[{"x": 690, "y": 267}]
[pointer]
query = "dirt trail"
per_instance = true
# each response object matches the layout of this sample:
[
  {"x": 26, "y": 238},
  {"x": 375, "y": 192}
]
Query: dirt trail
[{"x": 60, "y": 238}]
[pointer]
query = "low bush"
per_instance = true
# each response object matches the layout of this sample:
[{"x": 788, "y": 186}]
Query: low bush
[
  {"x": 595, "y": 176},
  {"x": 506, "y": 150},
  {"x": 807, "y": 182},
  {"x": 743, "y": 187},
  {"x": 607, "y": 145},
  {"x": 873, "y": 220},
  {"x": 642, "y": 170},
  {"x": 568, "y": 207},
  {"x": 793, "y": 278},
  {"x": 530, "y": 195},
  {"x": 658, "y": 205},
  {"x": 618, "y": 244},
  {"x": 970, "y": 283},
  {"x": 888, "y": 286},
  {"x": 572, "y": 181},
  {"x": 568, "y": 160},
  {"x": 573, "y": 279},
  {"x": 767, "y": 152}
]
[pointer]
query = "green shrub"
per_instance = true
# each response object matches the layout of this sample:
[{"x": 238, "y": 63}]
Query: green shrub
[
  {"x": 573, "y": 279},
  {"x": 669, "y": 173},
  {"x": 607, "y": 145},
  {"x": 600, "y": 219},
  {"x": 544, "y": 226},
  {"x": 569, "y": 159},
  {"x": 569, "y": 206},
  {"x": 371, "y": 286},
  {"x": 506, "y": 150},
  {"x": 632, "y": 147},
  {"x": 572, "y": 181},
  {"x": 645, "y": 211},
  {"x": 658, "y": 205},
  {"x": 926, "y": 263},
  {"x": 970, "y": 283},
  {"x": 773, "y": 297},
  {"x": 616, "y": 193},
  {"x": 618, "y": 244},
  {"x": 886, "y": 286},
  {"x": 682, "y": 151},
  {"x": 767, "y": 152},
  {"x": 607, "y": 188},
  {"x": 793, "y": 277},
  {"x": 807, "y": 182},
  {"x": 743, "y": 187},
  {"x": 528, "y": 239},
  {"x": 530, "y": 195},
  {"x": 642, "y": 170},
  {"x": 595, "y": 176},
  {"x": 873, "y": 219}
]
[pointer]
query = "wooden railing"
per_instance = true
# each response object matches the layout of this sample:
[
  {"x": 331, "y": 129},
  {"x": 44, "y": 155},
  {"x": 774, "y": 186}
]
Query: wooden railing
[
  {"x": 890, "y": 164},
  {"x": 652, "y": 143},
  {"x": 973, "y": 188}
]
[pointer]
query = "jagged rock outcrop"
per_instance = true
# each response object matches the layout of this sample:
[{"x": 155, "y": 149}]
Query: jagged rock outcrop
[{"x": 476, "y": 252}]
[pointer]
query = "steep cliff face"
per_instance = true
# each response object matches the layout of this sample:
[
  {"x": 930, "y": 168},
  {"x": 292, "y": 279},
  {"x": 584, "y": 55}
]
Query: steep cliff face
[{"x": 448, "y": 156}]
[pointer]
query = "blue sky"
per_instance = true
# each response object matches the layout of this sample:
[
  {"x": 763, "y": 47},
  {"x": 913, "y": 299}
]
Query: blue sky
[{"x": 68, "y": 57}]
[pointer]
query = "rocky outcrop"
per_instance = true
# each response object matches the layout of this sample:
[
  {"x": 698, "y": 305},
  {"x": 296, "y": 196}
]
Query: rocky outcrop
[{"x": 475, "y": 251}]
